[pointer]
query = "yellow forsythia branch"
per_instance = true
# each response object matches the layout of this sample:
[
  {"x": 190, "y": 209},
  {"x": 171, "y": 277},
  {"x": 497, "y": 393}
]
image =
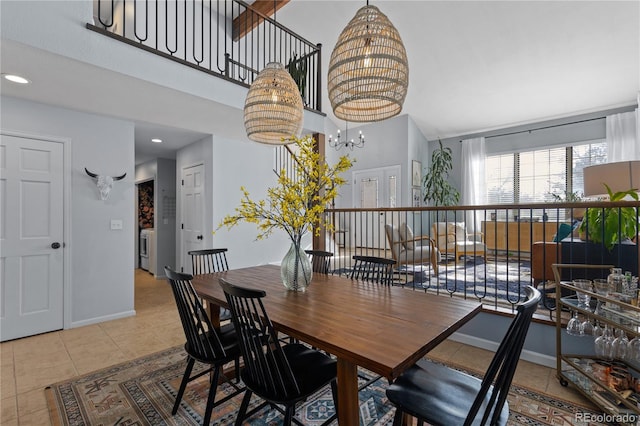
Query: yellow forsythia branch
[{"x": 294, "y": 205}]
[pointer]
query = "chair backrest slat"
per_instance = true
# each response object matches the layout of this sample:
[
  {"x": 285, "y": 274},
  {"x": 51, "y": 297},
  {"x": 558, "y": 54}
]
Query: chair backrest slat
[
  {"x": 209, "y": 261},
  {"x": 503, "y": 365},
  {"x": 320, "y": 260},
  {"x": 202, "y": 338},
  {"x": 373, "y": 269},
  {"x": 264, "y": 360}
]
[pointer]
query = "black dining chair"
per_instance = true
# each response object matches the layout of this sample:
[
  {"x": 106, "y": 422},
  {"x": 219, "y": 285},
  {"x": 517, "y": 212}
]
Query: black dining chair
[
  {"x": 320, "y": 260},
  {"x": 377, "y": 270},
  {"x": 204, "y": 343},
  {"x": 208, "y": 261},
  {"x": 372, "y": 269},
  {"x": 279, "y": 374},
  {"x": 440, "y": 395}
]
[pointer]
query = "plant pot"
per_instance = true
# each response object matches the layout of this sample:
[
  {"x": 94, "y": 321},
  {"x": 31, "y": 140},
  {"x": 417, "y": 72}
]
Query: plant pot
[{"x": 295, "y": 269}]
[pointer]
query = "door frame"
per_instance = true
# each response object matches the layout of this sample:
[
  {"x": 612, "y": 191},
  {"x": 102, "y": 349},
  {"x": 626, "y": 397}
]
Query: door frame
[
  {"x": 136, "y": 243},
  {"x": 385, "y": 171},
  {"x": 67, "y": 317}
]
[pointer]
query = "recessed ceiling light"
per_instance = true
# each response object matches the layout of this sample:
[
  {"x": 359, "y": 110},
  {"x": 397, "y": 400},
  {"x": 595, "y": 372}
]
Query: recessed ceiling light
[
  {"x": 156, "y": 140},
  {"x": 15, "y": 78}
]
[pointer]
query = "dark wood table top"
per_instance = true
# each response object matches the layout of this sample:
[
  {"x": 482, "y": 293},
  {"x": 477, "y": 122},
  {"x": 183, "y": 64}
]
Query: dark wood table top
[{"x": 383, "y": 329}]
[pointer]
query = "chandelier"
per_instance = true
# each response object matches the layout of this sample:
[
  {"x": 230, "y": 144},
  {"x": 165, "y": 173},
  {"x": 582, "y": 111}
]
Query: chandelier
[
  {"x": 338, "y": 143},
  {"x": 368, "y": 70}
]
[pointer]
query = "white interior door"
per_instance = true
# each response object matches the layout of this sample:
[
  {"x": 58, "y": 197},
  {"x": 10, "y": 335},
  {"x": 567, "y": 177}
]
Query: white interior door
[
  {"x": 31, "y": 232},
  {"x": 374, "y": 188},
  {"x": 192, "y": 213}
]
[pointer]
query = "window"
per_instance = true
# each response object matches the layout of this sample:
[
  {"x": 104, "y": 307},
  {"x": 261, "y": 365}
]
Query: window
[
  {"x": 583, "y": 156},
  {"x": 533, "y": 176}
]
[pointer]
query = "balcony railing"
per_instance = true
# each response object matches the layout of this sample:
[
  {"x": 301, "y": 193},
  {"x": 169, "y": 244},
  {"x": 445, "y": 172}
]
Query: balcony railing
[
  {"x": 225, "y": 38},
  {"x": 515, "y": 246}
]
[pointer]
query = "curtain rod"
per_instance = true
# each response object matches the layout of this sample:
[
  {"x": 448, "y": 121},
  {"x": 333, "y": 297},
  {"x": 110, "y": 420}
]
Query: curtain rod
[{"x": 543, "y": 128}]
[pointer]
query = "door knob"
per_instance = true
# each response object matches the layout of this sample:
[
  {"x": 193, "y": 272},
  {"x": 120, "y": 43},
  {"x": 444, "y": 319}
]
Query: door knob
[
  {"x": 55, "y": 245},
  {"x": 199, "y": 237}
]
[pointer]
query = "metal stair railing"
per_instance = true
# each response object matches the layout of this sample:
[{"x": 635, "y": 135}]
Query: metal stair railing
[{"x": 228, "y": 39}]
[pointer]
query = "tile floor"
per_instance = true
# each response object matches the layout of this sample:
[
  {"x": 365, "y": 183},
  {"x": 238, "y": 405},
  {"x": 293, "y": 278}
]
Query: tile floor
[{"x": 31, "y": 363}]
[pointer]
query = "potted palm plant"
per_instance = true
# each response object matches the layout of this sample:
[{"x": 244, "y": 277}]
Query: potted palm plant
[{"x": 437, "y": 189}]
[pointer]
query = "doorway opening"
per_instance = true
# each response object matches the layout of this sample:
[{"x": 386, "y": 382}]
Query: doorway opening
[{"x": 146, "y": 217}]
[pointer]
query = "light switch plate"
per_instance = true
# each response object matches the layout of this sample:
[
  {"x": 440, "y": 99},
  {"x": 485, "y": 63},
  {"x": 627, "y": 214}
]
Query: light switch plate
[{"x": 116, "y": 224}]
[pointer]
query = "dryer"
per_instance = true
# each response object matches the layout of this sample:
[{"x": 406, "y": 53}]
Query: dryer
[{"x": 147, "y": 250}]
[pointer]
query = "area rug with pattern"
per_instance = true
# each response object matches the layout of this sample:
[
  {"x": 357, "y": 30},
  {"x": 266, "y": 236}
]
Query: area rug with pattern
[
  {"x": 474, "y": 277},
  {"x": 494, "y": 279},
  {"x": 142, "y": 392}
]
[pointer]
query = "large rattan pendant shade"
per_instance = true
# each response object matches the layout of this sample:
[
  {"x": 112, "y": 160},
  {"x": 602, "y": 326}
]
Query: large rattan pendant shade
[
  {"x": 368, "y": 69},
  {"x": 273, "y": 110}
]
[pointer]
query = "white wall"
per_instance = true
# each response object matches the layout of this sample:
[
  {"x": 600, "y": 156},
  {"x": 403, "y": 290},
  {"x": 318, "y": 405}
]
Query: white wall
[
  {"x": 101, "y": 278},
  {"x": 230, "y": 164},
  {"x": 392, "y": 142}
]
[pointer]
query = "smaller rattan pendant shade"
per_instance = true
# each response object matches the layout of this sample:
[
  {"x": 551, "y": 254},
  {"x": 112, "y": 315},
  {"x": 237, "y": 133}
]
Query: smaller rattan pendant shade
[
  {"x": 273, "y": 109},
  {"x": 368, "y": 69}
]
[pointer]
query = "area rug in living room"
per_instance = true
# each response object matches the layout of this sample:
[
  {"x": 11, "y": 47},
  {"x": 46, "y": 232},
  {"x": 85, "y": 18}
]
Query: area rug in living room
[
  {"x": 142, "y": 392},
  {"x": 474, "y": 276}
]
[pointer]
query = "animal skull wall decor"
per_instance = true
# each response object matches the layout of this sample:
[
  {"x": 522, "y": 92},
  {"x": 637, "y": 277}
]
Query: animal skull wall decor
[{"x": 104, "y": 183}]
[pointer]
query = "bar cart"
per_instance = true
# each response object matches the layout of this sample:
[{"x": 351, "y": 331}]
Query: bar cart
[{"x": 611, "y": 384}]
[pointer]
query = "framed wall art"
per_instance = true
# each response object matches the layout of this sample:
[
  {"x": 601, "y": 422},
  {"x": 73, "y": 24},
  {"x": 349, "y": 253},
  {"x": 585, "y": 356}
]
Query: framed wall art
[
  {"x": 416, "y": 197},
  {"x": 416, "y": 173}
]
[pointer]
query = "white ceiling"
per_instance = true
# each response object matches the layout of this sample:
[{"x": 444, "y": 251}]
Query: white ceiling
[
  {"x": 474, "y": 66},
  {"x": 479, "y": 65}
]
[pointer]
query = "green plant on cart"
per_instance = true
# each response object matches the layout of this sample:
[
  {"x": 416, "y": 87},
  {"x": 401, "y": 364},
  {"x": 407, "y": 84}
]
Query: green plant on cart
[{"x": 611, "y": 225}]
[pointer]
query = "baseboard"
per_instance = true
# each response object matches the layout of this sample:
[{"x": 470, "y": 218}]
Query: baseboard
[
  {"x": 527, "y": 355},
  {"x": 96, "y": 320}
]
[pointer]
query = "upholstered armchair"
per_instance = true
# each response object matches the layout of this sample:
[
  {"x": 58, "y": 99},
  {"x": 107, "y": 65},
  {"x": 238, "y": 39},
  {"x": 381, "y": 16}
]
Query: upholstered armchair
[
  {"x": 407, "y": 249},
  {"x": 453, "y": 238}
]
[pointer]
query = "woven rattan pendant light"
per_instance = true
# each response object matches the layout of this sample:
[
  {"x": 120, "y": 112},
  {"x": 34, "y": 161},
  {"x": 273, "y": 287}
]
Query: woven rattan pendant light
[
  {"x": 368, "y": 69},
  {"x": 273, "y": 108}
]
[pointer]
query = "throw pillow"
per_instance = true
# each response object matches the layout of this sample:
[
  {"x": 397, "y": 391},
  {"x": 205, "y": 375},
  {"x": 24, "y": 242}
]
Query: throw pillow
[
  {"x": 563, "y": 232},
  {"x": 456, "y": 233},
  {"x": 394, "y": 234},
  {"x": 406, "y": 234},
  {"x": 461, "y": 232}
]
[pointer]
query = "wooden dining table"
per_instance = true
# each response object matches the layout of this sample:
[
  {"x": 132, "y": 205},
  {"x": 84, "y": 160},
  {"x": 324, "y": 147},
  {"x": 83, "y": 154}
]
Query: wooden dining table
[{"x": 384, "y": 329}]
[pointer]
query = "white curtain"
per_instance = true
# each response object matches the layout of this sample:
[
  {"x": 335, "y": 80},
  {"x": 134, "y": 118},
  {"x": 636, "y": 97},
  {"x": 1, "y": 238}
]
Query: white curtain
[
  {"x": 623, "y": 132},
  {"x": 473, "y": 175}
]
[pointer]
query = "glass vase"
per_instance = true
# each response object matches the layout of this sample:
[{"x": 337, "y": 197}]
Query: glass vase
[{"x": 295, "y": 269}]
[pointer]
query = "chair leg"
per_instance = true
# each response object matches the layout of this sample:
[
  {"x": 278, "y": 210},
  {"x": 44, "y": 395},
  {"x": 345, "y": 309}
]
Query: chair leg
[
  {"x": 334, "y": 394},
  {"x": 242, "y": 412},
  {"x": 236, "y": 366},
  {"x": 183, "y": 385},
  {"x": 397, "y": 419},
  {"x": 212, "y": 395},
  {"x": 288, "y": 415}
]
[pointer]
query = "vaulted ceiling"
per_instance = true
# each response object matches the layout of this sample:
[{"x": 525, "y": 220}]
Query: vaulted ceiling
[
  {"x": 474, "y": 65},
  {"x": 479, "y": 65}
]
